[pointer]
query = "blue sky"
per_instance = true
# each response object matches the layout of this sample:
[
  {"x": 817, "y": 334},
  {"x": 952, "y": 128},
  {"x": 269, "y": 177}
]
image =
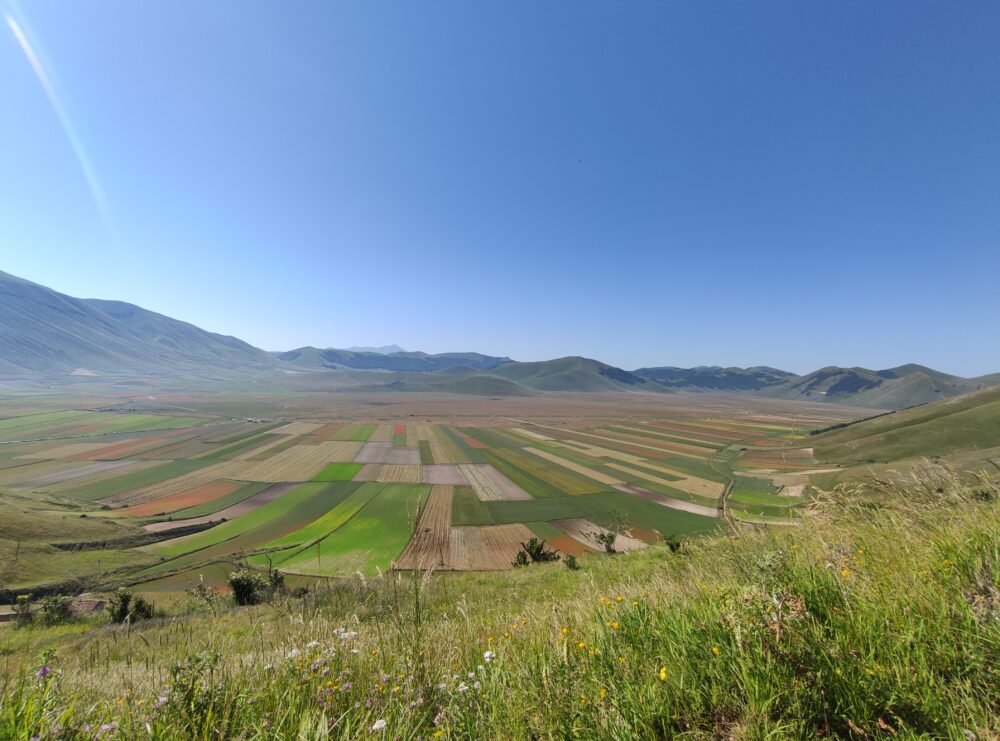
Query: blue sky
[{"x": 649, "y": 183}]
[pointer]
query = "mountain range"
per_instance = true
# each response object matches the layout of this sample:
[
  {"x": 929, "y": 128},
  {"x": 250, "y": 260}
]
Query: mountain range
[{"x": 47, "y": 334}]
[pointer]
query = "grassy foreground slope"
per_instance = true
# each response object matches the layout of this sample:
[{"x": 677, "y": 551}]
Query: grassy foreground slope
[{"x": 870, "y": 620}]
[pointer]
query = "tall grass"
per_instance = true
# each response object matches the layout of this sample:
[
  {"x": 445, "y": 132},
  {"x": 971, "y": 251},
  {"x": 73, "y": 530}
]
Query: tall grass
[{"x": 878, "y": 617}]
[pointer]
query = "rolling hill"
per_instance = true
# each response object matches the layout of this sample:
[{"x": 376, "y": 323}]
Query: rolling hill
[
  {"x": 893, "y": 388},
  {"x": 969, "y": 422},
  {"x": 331, "y": 358}
]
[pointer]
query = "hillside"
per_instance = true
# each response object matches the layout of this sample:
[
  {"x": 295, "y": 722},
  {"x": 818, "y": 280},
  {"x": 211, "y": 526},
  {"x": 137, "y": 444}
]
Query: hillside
[
  {"x": 413, "y": 362},
  {"x": 964, "y": 423},
  {"x": 46, "y": 332},
  {"x": 715, "y": 378},
  {"x": 893, "y": 388},
  {"x": 574, "y": 374}
]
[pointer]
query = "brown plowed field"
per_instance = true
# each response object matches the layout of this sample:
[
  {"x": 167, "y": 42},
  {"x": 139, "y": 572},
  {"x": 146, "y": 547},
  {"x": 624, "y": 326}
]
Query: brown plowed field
[
  {"x": 490, "y": 484},
  {"x": 429, "y": 546},
  {"x": 444, "y": 474},
  {"x": 489, "y": 548},
  {"x": 581, "y": 530}
]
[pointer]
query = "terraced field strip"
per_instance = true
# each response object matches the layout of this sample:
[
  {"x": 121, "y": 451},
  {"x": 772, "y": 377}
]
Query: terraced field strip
[
  {"x": 468, "y": 509},
  {"x": 135, "y": 475},
  {"x": 296, "y": 428},
  {"x": 489, "y": 484},
  {"x": 444, "y": 449},
  {"x": 242, "y": 449},
  {"x": 351, "y": 497},
  {"x": 400, "y": 474},
  {"x": 224, "y": 507},
  {"x": 399, "y": 436},
  {"x": 298, "y": 463},
  {"x": 530, "y": 433},
  {"x": 338, "y": 472},
  {"x": 383, "y": 452},
  {"x": 583, "y": 531},
  {"x": 174, "y": 485},
  {"x": 641, "y": 449},
  {"x": 258, "y": 530},
  {"x": 699, "y": 487},
  {"x": 370, "y": 540},
  {"x": 326, "y": 431},
  {"x": 642, "y": 468},
  {"x": 354, "y": 432},
  {"x": 381, "y": 434},
  {"x": 681, "y": 505},
  {"x": 490, "y": 548},
  {"x": 272, "y": 510},
  {"x": 188, "y": 498},
  {"x": 259, "y": 452},
  {"x": 32, "y": 470},
  {"x": 649, "y": 432},
  {"x": 699, "y": 451},
  {"x": 88, "y": 424},
  {"x": 444, "y": 475},
  {"x": 700, "y": 431},
  {"x": 537, "y": 478},
  {"x": 429, "y": 546},
  {"x": 145, "y": 444},
  {"x": 65, "y": 450},
  {"x": 590, "y": 473},
  {"x": 219, "y": 507},
  {"x": 90, "y": 471}
]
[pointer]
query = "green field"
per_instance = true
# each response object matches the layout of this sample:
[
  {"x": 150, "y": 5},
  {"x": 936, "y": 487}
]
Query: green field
[
  {"x": 338, "y": 472},
  {"x": 371, "y": 539},
  {"x": 131, "y": 481}
]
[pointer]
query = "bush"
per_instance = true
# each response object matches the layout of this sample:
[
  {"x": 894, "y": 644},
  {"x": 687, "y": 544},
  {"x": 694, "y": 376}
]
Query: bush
[
  {"x": 56, "y": 609},
  {"x": 571, "y": 563},
  {"x": 22, "y": 610},
  {"x": 122, "y": 606},
  {"x": 521, "y": 559},
  {"x": 249, "y": 587},
  {"x": 607, "y": 539}
]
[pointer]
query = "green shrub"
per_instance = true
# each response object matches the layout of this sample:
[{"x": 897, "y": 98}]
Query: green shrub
[
  {"x": 124, "y": 606},
  {"x": 57, "y": 609},
  {"x": 249, "y": 587}
]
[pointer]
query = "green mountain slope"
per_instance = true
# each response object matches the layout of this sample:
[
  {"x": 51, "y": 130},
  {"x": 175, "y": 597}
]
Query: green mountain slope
[
  {"x": 574, "y": 374},
  {"x": 963, "y": 423}
]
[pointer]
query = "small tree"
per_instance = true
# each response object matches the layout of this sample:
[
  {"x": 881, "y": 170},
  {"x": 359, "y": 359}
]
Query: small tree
[
  {"x": 57, "y": 609},
  {"x": 521, "y": 559},
  {"x": 22, "y": 609},
  {"x": 249, "y": 587},
  {"x": 123, "y": 606},
  {"x": 606, "y": 538},
  {"x": 534, "y": 551},
  {"x": 571, "y": 563}
]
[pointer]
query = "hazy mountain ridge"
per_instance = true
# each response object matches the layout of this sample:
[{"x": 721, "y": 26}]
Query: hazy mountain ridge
[{"x": 44, "y": 333}]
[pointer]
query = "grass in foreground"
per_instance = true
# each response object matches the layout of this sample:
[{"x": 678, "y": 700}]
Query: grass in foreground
[{"x": 869, "y": 620}]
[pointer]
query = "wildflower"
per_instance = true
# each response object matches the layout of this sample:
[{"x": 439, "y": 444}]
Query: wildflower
[
  {"x": 565, "y": 630},
  {"x": 160, "y": 702},
  {"x": 663, "y": 674},
  {"x": 604, "y": 693},
  {"x": 476, "y": 686},
  {"x": 845, "y": 571},
  {"x": 294, "y": 653},
  {"x": 463, "y": 687},
  {"x": 581, "y": 645},
  {"x": 442, "y": 686},
  {"x": 620, "y": 598},
  {"x": 615, "y": 625},
  {"x": 312, "y": 644},
  {"x": 43, "y": 672},
  {"x": 715, "y": 650},
  {"x": 489, "y": 656},
  {"x": 107, "y": 728},
  {"x": 378, "y": 725}
]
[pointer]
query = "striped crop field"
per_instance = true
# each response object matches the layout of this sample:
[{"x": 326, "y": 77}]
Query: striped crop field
[{"x": 321, "y": 498}]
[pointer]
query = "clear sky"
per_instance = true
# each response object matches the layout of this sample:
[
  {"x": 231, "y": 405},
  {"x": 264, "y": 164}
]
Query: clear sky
[{"x": 650, "y": 183}]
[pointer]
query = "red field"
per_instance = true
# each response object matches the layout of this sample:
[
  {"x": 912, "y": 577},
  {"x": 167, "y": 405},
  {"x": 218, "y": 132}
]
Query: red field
[{"x": 189, "y": 498}]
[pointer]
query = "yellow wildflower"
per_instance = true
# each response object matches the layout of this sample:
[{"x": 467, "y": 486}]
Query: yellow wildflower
[
  {"x": 715, "y": 650},
  {"x": 663, "y": 674}
]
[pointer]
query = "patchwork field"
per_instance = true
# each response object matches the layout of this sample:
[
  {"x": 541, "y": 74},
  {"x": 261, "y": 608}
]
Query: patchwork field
[{"x": 321, "y": 497}]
